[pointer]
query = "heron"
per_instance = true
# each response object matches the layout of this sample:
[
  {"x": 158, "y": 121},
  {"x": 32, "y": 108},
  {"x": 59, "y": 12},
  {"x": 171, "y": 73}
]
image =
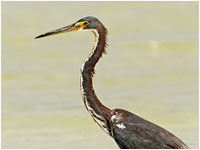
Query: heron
[{"x": 127, "y": 129}]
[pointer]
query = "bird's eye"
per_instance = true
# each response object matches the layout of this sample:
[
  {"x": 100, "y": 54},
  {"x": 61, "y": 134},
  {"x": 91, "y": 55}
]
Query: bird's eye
[{"x": 85, "y": 23}]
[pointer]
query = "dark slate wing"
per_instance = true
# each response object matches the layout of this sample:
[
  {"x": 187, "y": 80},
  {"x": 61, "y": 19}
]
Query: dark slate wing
[{"x": 131, "y": 131}]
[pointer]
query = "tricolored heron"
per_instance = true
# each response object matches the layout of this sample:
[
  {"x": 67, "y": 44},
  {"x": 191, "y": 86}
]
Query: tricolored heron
[{"x": 127, "y": 129}]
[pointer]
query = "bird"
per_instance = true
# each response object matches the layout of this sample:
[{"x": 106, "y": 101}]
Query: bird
[{"x": 127, "y": 129}]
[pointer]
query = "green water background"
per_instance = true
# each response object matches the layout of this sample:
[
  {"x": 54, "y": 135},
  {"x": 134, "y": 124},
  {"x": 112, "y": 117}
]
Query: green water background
[{"x": 151, "y": 69}]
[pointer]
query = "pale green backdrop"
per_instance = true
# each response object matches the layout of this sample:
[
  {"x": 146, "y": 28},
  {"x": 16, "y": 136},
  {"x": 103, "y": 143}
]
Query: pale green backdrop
[{"x": 151, "y": 69}]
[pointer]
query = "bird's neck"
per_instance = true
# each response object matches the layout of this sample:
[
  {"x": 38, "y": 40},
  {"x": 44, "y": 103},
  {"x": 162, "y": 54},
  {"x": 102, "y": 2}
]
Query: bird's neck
[{"x": 98, "y": 111}]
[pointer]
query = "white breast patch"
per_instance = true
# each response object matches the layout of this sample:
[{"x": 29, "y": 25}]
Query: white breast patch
[{"x": 121, "y": 126}]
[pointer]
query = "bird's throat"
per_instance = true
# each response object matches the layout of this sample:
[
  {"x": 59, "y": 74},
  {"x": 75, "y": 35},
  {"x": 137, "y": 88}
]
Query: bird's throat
[{"x": 98, "y": 111}]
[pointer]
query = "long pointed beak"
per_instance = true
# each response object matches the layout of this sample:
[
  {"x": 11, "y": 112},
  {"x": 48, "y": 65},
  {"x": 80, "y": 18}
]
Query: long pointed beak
[{"x": 69, "y": 28}]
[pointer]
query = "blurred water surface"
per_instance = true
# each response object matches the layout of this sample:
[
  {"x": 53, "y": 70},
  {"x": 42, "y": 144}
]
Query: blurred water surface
[{"x": 151, "y": 69}]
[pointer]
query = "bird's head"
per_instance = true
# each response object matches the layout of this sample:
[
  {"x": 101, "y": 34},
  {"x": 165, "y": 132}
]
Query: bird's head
[{"x": 87, "y": 23}]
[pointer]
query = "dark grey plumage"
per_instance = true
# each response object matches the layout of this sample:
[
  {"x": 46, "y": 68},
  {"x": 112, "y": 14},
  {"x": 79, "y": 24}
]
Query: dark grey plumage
[{"x": 139, "y": 133}]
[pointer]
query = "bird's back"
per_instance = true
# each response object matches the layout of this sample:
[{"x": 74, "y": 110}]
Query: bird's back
[{"x": 132, "y": 131}]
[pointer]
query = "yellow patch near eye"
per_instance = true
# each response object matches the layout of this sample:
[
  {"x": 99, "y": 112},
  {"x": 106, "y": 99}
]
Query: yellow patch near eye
[{"x": 82, "y": 24}]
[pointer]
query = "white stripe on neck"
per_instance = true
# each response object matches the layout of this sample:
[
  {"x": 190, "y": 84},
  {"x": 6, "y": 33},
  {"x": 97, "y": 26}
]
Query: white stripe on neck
[
  {"x": 96, "y": 34},
  {"x": 91, "y": 111}
]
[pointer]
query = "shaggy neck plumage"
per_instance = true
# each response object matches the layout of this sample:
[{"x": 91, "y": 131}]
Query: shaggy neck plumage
[{"x": 98, "y": 111}]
